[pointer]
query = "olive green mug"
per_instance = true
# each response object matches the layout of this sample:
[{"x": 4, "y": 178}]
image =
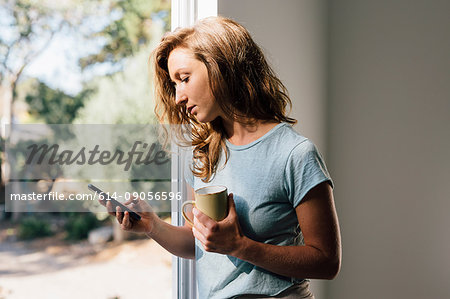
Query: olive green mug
[{"x": 211, "y": 200}]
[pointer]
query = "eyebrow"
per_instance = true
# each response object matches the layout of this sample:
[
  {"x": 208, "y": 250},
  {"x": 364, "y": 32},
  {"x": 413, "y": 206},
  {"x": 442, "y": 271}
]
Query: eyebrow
[{"x": 181, "y": 70}]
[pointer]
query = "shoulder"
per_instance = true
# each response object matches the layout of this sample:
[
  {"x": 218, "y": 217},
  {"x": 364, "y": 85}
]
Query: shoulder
[
  {"x": 303, "y": 148},
  {"x": 293, "y": 142},
  {"x": 288, "y": 147},
  {"x": 299, "y": 150}
]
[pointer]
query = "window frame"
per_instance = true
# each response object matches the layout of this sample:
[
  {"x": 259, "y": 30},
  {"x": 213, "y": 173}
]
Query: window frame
[{"x": 184, "y": 286}]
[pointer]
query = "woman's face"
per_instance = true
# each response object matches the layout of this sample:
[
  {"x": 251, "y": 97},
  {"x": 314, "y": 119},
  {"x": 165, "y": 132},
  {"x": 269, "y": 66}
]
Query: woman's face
[{"x": 190, "y": 78}]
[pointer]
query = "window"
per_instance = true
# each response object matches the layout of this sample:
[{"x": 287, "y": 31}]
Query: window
[{"x": 184, "y": 13}]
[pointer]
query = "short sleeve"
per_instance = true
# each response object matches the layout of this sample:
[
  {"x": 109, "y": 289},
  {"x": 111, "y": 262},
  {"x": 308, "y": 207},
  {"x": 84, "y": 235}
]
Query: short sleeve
[{"x": 304, "y": 170}]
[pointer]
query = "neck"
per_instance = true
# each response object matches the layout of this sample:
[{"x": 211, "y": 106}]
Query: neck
[{"x": 241, "y": 133}]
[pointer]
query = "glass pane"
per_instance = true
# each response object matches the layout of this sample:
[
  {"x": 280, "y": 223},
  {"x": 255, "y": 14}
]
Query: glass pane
[{"x": 74, "y": 78}]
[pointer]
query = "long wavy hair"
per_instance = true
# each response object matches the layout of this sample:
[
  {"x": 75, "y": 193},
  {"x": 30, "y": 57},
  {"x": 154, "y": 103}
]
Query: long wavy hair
[{"x": 242, "y": 83}]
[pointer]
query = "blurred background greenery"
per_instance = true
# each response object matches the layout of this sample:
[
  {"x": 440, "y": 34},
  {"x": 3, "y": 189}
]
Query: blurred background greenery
[{"x": 75, "y": 62}]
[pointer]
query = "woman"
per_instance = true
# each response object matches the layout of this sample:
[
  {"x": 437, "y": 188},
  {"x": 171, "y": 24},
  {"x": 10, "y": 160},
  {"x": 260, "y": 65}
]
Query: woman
[{"x": 282, "y": 226}]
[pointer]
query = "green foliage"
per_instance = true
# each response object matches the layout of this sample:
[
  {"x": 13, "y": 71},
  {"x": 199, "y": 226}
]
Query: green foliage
[
  {"x": 79, "y": 224},
  {"x": 125, "y": 97},
  {"x": 130, "y": 31},
  {"x": 33, "y": 227},
  {"x": 54, "y": 106},
  {"x": 129, "y": 26}
]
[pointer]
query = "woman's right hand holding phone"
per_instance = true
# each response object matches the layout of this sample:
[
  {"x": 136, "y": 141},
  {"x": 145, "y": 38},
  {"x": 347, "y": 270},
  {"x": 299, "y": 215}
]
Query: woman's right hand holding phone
[
  {"x": 178, "y": 240},
  {"x": 148, "y": 216}
]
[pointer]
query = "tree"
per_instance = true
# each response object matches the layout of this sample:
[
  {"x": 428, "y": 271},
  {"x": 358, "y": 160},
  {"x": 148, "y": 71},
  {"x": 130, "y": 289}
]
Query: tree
[
  {"x": 27, "y": 28},
  {"x": 54, "y": 106},
  {"x": 122, "y": 98},
  {"x": 132, "y": 30}
]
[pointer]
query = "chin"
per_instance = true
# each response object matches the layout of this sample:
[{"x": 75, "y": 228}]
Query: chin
[
  {"x": 206, "y": 117},
  {"x": 203, "y": 121},
  {"x": 203, "y": 118}
]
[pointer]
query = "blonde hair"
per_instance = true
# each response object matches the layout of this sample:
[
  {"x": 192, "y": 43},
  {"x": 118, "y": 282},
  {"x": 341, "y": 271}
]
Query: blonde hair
[{"x": 242, "y": 83}]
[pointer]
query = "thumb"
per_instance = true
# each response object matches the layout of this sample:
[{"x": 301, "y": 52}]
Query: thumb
[
  {"x": 132, "y": 200},
  {"x": 142, "y": 206},
  {"x": 231, "y": 204}
]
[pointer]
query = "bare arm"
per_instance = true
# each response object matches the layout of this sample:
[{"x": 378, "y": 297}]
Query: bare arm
[
  {"x": 178, "y": 240},
  {"x": 320, "y": 257}
]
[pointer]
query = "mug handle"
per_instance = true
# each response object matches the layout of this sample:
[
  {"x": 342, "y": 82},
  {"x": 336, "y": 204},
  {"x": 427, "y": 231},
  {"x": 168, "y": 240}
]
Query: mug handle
[{"x": 191, "y": 202}]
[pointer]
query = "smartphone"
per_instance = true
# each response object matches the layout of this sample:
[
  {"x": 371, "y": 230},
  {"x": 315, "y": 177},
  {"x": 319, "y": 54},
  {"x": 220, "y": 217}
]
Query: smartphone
[{"x": 115, "y": 203}]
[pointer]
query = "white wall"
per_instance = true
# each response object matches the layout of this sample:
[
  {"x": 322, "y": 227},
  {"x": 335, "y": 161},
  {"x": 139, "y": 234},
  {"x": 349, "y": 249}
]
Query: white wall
[
  {"x": 385, "y": 125},
  {"x": 292, "y": 33},
  {"x": 389, "y": 146}
]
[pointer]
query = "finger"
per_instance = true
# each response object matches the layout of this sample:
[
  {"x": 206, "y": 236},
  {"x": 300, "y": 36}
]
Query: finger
[
  {"x": 204, "y": 223},
  {"x": 199, "y": 236},
  {"x": 138, "y": 205},
  {"x": 231, "y": 200},
  {"x": 231, "y": 205},
  {"x": 101, "y": 200},
  {"x": 133, "y": 199},
  {"x": 140, "y": 208},
  {"x": 204, "y": 219},
  {"x": 119, "y": 215},
  {"x": 126, "y": 223},
  {"x": 199, "y": 227},
  {"x": 110, "y": 208},
  {"x": 207, "y": 245}
]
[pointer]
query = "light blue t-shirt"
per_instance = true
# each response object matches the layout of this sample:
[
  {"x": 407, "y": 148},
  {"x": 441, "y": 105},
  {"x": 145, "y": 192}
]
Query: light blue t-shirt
[{"x": 268, "y": 178}]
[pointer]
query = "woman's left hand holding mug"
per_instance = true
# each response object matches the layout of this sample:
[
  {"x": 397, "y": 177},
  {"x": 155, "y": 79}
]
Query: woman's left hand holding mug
[{"x": 223, "y": 237}]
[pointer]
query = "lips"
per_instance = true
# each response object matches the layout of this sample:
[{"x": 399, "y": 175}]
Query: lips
[{"x": 189, "y": 109}]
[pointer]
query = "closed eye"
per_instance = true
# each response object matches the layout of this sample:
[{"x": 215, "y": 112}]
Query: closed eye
[{"x": 185, "y": 80}]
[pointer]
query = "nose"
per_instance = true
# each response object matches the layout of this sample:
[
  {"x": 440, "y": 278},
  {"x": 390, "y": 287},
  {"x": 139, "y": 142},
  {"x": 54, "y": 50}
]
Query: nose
[{"x": 180, "y": 96}]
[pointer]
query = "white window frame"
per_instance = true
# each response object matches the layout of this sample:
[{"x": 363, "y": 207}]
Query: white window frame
[{"x": 184, "y": 13}]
